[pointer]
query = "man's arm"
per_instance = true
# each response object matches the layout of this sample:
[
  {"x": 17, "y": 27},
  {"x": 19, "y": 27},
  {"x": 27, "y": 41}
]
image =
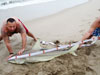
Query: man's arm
[
  {"x": 31, "y": 35},
  {"x": 7, "y": 42},
  {"x": 23, "y": 35},
  {"x": 88, "y": 34}
]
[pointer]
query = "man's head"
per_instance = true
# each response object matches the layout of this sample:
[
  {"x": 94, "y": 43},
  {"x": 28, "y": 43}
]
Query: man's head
[{"x": 11, "y": 24}]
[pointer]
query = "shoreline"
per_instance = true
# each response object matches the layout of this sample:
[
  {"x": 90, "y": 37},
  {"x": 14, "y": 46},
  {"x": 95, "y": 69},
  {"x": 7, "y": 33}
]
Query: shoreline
[
  {"x": 12, "y": 4},
  {"x": 36, "y": 10}
]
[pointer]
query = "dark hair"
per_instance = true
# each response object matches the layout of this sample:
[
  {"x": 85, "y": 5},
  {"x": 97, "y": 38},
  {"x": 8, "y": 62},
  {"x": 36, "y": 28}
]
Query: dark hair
[{"x": 10, "y": 20}]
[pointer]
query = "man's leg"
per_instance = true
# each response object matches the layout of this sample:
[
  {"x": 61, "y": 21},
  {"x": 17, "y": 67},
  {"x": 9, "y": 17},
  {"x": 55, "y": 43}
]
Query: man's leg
[
  {"x": 31, "y": 35},
  {"x": 90, "y": 37}
]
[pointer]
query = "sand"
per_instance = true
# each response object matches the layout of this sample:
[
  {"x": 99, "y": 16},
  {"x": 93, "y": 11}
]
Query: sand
[{"x": 67, "y": 25}]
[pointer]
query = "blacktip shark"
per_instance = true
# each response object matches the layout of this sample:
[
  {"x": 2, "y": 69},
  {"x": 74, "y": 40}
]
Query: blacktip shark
[{"x": 45, "y": 55}]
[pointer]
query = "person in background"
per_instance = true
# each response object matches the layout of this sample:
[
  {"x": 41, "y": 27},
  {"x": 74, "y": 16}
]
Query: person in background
[{"x": 93, "y": 31}]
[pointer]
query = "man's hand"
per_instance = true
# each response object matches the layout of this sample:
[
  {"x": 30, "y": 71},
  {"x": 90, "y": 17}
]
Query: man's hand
[
  {"x": 11, "y": 54},
  {"x": 35, "y": 39},
  {"x": 20, "y": 52}
]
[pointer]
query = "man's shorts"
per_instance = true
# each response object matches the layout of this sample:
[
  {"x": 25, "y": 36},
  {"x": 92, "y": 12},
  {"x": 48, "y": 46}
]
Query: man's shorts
[{"x": 96, "y": 32}]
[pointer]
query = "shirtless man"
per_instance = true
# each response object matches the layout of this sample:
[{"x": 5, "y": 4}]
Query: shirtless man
[
  {"x": 93, "y": 31},
  {"x": 12, "y": 26}
]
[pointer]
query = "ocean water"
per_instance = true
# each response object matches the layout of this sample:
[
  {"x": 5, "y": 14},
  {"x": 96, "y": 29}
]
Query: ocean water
[
  {"x": 5, "y": 4},
  {"x": 32, "y": 9}
]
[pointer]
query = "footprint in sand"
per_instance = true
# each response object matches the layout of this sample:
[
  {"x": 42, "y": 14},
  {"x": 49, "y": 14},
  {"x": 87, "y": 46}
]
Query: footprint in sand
[
  {"x": 88, "y": 51},
  {"x": 90, "y": 71},
  {"x": 78, "y": 73}
]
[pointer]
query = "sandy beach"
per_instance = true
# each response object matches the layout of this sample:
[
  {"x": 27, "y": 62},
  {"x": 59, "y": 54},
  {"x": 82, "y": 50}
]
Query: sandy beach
[{"x": 65, "y": 26}]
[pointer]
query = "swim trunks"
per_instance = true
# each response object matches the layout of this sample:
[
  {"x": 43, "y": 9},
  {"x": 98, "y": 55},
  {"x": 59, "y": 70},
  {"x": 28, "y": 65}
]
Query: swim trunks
[{"x": 96, "y": 32}]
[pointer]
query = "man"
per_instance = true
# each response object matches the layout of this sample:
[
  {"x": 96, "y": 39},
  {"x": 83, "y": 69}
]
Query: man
[
  {"x": 93, "y": 31},
  {"x": 11, "y": 26}
]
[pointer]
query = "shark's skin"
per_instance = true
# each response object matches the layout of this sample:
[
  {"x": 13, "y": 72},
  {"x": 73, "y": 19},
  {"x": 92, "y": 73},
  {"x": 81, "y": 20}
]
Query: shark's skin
[
  {"x": 37, "y": 46},
  {"x": 46, "y": 57}
]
